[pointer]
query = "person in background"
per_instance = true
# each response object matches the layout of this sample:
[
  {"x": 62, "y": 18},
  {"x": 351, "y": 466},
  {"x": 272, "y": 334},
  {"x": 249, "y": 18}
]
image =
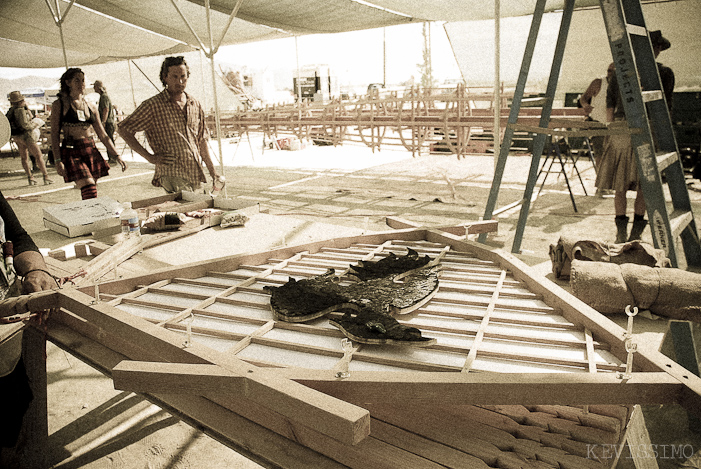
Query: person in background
[
  {"x": 22, "y": 130},
  {"x": 105, "y": 111},
  {"x": 593, "y": 101},
  {"x": 619, "y": 168},
  {"x": 29, "y": 265},
  {"x": 80, "y": 160},
  {"x": 174, "y": 123}
]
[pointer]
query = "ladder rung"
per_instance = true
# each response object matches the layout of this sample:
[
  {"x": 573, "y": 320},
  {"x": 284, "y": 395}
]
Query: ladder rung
[
  {"x": 666, "y": 159},
  {"x": 636, "y": 30},
  {"x": 652, "y": 95},
  {"x": 678, "y": 220}
]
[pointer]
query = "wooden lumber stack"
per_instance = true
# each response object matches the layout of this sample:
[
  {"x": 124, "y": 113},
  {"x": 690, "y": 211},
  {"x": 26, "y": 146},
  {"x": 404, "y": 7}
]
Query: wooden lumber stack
[{"x": 418, "y": 120}]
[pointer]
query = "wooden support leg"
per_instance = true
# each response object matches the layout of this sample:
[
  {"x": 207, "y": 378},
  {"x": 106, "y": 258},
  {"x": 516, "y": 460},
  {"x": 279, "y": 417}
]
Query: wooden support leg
[
  {"x": 35, "y": 430},
  {"x": 685, "y": 353}
]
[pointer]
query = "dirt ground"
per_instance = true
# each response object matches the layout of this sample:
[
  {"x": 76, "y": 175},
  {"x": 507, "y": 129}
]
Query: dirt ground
[{"x": 92, "y": 425}]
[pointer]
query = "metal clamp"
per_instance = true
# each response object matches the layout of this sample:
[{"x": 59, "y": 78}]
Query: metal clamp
[
  {"x": 631, "y": 347},
  {"x": 188, "y": 332},
  {"x": 347, "y": 352}
]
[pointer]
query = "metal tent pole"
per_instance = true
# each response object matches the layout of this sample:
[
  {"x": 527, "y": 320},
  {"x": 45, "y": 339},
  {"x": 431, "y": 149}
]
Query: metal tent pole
[
  {"x": 539, "y": 141},
  {"x": 513, "y": 114},
  {"x": 58, "y": 19},
  {"x": 497, "y": 78}
]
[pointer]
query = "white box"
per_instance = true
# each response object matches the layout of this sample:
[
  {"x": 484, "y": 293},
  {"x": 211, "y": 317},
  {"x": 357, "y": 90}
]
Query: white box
[{"x": 83, "y": 216}]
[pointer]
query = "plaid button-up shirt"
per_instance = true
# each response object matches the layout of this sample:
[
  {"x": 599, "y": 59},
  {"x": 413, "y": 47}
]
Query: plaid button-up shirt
[{"x": 171, "y": 131}]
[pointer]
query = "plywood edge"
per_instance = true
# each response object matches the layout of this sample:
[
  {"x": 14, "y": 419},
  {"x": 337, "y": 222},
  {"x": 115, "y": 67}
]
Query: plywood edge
[
  {"x": 245, "y": 436},
  {"x": 457, "y": 388},
  {"x": 340, "y": 420},
  {"x": 228, "y": 263},
  {"x": 176, "y": 378}
]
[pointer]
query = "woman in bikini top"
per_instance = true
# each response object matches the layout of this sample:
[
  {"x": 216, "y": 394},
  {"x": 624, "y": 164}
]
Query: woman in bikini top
[
  {"x": 78, "y": 115},
  {"x": 76, "y": 118}
]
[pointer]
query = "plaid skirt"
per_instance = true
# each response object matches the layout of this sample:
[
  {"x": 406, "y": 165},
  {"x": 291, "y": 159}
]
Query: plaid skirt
[{"x": 83, "y": 160}]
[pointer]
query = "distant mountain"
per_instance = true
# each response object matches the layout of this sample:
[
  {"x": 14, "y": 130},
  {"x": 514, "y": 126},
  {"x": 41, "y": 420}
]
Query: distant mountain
[{"x": 22, "y": 84}]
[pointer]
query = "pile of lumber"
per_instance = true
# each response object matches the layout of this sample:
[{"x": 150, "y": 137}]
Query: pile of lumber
[{"x": 418, "y": 120}]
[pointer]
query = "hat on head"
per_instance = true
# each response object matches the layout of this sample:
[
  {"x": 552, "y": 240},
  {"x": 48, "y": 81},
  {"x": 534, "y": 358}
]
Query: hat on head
[
  {"x": 98, "y": 84},
  {"x": 657, "y": 39},
  {"x": 16, "y": 97}
]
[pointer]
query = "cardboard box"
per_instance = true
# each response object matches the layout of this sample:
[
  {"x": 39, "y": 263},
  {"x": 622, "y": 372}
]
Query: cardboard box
[{"x": 82, "y": 217}]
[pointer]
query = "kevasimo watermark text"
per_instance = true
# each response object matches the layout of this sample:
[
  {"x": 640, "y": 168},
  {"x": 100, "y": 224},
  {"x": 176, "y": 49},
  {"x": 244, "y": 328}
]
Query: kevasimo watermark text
[{"x": 604, "y": 452}]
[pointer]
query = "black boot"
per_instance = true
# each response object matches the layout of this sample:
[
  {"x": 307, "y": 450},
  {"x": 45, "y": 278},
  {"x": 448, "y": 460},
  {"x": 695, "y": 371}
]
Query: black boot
[
  {"x": 639, "y": 224},
  {"x": 621, "y": 228}
]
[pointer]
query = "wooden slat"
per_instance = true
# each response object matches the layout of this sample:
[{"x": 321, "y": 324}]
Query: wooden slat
[
  {"x": 176, "y": 378},
  {"x": 591, "y": 356},
  {"x": 483, "y": 325},
  {"x": 327, "y": 415},
  {"x": 243, "y": 435},
  {"x": 427, "y": 448},
  {"x": 490, "y": 388}
]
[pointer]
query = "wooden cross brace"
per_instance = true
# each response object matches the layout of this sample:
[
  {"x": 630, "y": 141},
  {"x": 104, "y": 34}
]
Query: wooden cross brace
[{"x": 138, "y": 339}]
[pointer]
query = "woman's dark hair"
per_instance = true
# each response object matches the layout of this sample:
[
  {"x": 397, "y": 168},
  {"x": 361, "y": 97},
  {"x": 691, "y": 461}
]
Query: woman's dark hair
[
  {"x": 67, "y": 76},
  {"x": 172, "y": 62}
]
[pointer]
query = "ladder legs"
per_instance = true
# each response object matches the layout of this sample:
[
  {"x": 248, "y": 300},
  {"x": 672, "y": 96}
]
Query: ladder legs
[
  {"x": 544, "y": 122},
  {"x": 513, "y": 114}
]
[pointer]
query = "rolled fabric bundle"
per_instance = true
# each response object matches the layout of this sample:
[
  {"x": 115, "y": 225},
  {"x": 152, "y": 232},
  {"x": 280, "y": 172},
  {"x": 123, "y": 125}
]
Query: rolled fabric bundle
[
  {"x": 633, "y": 252},
  {"x": 609, "y": 288}
]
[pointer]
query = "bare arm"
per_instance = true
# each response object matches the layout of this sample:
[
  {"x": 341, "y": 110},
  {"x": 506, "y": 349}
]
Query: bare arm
[
  {"x": 207, "y": 158},
  {"x": 591, "y": 91},
  {"x": 133, "y": 142},
  {"x": 56, "y": 135},
  {"x": 106, "y": 141},
  {"x": 31, "y": 265}
]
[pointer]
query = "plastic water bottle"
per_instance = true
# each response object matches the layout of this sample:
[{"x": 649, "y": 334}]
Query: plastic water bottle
[{"x": 129, "y": 219}]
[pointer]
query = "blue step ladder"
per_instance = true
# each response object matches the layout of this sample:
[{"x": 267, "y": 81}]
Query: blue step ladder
[
  {"x": 647, "y": 115},
  {"x": 654, "y": 144}
]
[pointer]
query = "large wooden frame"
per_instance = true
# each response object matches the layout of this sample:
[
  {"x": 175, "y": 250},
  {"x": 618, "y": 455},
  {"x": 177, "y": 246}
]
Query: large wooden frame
[
  {"x": 417, "y": 119},
  {"x": 504, "y": 337}
]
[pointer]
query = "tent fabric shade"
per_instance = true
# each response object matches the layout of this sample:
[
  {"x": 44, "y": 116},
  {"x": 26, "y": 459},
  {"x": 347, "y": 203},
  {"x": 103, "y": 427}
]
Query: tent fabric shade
[
  {"x": 84, "y": 31},
  {"x": 101, "y": 31}
]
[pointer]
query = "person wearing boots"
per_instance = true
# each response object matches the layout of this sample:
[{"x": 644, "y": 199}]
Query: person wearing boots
[
  {"x": 618, "y": 169},
  {"x": 22, "y": 130}
]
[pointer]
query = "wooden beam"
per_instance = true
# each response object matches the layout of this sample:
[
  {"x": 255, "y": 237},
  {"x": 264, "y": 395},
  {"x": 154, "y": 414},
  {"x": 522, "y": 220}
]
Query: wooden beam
[
  {"x": 476, "y": 227},
  {"x": 123, "y": 250},
  {"x": 450, "y": 388},
  {"x": 176, "y": 378},
  {"x": 339, "y": 420},
  {"x": 31, "y": 303},
  {"x": 246, "y": 436}
]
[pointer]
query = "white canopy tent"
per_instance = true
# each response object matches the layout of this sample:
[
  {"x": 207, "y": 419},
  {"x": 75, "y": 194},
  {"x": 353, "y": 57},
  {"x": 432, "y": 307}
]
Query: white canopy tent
[{"x": 54, "y": 33}]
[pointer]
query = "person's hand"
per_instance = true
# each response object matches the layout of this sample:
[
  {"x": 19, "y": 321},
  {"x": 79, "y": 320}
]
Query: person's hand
[
  {"x": 218, "y": 182},
  {"x": 38, "y": 280},
  {"x": 35, "y": 281},
  {"x": 122, "y": 163},
  {"x": 60, "y": 170},
  {"x": 166, "y": 159}
]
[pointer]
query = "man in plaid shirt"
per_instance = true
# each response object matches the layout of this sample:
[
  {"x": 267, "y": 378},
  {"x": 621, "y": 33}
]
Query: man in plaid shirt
[{"x": 175, "y": 128}]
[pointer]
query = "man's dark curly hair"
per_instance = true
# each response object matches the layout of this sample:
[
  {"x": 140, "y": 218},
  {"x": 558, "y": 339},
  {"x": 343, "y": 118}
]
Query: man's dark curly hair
[{"x": 172, "y": 62}]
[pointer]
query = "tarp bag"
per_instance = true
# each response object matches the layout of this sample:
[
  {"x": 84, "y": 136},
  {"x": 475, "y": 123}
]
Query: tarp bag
[{"x": 634, "y": 252}]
